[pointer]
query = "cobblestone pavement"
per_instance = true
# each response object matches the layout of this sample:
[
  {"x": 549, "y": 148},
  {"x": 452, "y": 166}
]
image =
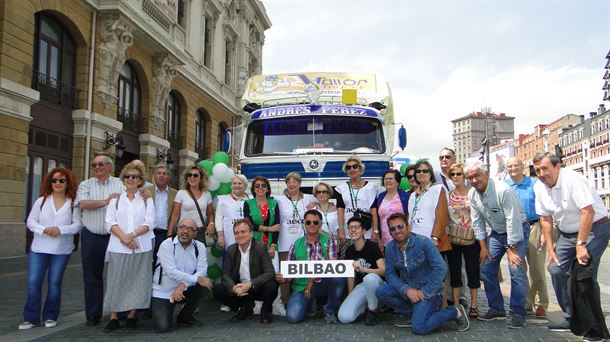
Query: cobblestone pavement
[{"x": 216, "y": 328}]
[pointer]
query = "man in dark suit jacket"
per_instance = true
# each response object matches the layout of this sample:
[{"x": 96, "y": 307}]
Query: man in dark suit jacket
[{"x": 248, "y": 275}]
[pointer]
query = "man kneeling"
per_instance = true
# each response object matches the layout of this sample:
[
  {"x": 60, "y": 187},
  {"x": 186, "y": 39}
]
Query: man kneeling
[
  {"x": 180, "y": 276},
  {"x": 415, "y": 270},
  {"x": 248, "y": 275}
]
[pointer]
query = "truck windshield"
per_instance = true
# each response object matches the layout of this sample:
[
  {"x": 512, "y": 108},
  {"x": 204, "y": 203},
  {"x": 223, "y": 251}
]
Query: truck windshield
[{"x": 314, "y": 134}]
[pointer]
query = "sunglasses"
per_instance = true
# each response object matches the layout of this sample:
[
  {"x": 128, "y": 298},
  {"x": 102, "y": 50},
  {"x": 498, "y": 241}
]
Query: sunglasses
[
  {"x": 422, "y": 171},
  {"x": 410, "y": 176},
  {"x": 444, "y": 157},
  {"x": 189, "y": 228},
  {"x": 396, "y": 227},
  {"x": 260, "y": 186},
  {"x": 100, "y": 164},
  {"x": 453, "y": 174},
  {"x": 356, "y": 226},
  {"x": 320, "y": 192},
  {"x": 58, "y": 180},
  {"x": 194, "y": 175},
  {"x": 352, "y": 166},
  {"x": 132, "y": 176},
  {"x": 314, "y": 222}
]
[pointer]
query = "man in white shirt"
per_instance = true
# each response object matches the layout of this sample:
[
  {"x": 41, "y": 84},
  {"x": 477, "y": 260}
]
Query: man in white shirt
[
  {"x": 179, "y": 277},
  {"x": 566, "y": 198}
]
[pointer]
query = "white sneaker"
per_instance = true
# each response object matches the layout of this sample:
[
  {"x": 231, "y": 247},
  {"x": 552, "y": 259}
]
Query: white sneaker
[
  {"x": 26, "y": 325},
  {"x": 224, "y": 308},
  {"x": 49, "y": 323},
  {"x": 257, "y": 307},
  {"x": 278, "y": 309}
]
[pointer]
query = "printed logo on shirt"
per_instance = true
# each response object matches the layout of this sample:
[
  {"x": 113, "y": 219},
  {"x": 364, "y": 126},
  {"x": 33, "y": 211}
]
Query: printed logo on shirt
[
  {"x": 295, "y": 221},
  {"x": 364, "y": 264}
]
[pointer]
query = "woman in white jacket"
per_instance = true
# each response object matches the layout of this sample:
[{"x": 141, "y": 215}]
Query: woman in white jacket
[{"x": 54, "y": 220}]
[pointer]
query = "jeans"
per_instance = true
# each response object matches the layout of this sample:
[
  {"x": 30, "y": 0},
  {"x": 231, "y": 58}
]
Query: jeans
[
  {"x": 266, "y": 293},
  {"x": 298, "y": 304},
  {"x": 93, "y": 252},
  {"x": 425, "y": 316},
  {"x": 38, "y": 264},
  {"x": 497, "y": 245},
  {"x": 363, "y": 294},
  {"x": 163, "y": 311},
  {"x": 565, "y": 248}
]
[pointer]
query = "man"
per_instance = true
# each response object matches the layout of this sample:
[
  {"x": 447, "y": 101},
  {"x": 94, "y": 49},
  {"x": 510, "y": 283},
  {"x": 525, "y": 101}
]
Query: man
[
  {"x": 313, "y": 246},
  {"x": 179, "y": 277},
  {"x": 565, "y": 198},
  {"x": 248, "y": 275},
  {"x": 496, "y": 205},
  {"x": 538, "y": 298},
  {"x": 93, "y": 197},
  {"x": 414, "y": 271},
  {"x": 446, "y": 158},
  {"x": 163, "y": 197}
]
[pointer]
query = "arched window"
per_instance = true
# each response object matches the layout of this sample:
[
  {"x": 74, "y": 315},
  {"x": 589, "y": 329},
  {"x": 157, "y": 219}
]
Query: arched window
[
  {"x": 200, "y": 128},
  {"x": 173, "y": 121},
  {"x": 128, "y": 110},
  {"x": 222, "y": 129}
]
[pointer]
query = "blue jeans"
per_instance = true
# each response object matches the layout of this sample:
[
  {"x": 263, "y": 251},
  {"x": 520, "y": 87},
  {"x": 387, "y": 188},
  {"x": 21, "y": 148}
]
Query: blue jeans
[
  {"x": 38, "y": 264},
  {"x": 497, "y": 244},
  {"x": 425, "y": 315},
  {"x": 298, "y": 304},
  {"x": 565, "y": 248},
  {"x": 362, "y": 294}
]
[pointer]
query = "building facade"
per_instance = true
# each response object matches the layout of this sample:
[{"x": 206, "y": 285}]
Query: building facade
[
  {"x": 470, "y": 130},
  {"x": 157, "y": 80}
]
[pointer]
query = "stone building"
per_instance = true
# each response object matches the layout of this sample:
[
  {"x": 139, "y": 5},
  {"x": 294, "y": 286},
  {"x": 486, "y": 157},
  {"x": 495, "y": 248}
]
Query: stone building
[
  {"x": 470, "y": 130},
  {"x": 158, "y": 80}
]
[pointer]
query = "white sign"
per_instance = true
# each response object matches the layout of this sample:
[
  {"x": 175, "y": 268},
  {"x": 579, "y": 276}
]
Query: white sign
[{"x": 317, "y": 269}]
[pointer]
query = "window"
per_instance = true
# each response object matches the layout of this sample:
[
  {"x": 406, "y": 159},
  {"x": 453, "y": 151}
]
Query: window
[
  {"x": 222, "y": 130},
  {"x": 229, "y": 51},
  {"x": 200, "y": 134},
  {"x": 207, "y": 43},
  {"x": 128, "y": 110},
  {"x": 181, "y": 19},
  {"x": 173, "y": 121}
]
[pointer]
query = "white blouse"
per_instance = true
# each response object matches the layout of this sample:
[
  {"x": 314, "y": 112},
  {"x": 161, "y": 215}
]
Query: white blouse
[
  {"x": 228, "y": 211},
  {"x": 291, "y": 217},
  {"x": 129, "y": 216},
  {"x": 67, "y": 219},
  {"x": 422, "y": 210},
  {"x": 361, "y": 199}
]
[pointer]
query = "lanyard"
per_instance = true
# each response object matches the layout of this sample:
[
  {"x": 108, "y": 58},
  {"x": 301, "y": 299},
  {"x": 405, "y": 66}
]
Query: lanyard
[
  {"x": 295, "y": 207},
  {"x": 325, "y": 214},
  {"x": 417, "y": 200},
  {"x": 352, "y": 195}
]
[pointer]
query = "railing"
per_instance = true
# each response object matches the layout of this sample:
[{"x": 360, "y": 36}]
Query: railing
[
  {"x": 55, "y": 91},
  {"x": 130, "y": 120}
]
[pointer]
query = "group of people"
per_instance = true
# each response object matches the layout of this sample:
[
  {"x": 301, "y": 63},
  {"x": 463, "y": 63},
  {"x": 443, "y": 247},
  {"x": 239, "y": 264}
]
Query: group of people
[{"x": 411, "y": 249}]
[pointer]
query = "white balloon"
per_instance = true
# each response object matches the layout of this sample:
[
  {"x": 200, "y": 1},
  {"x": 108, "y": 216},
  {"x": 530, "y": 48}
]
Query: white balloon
[
  {"x": 213, "y": 183},
  {"x": 219, "y": 171},
  {"x": 228, "y": 176}
]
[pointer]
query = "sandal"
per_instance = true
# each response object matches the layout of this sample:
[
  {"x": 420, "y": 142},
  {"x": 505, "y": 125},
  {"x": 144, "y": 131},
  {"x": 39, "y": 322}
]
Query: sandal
[{"x": 473, "y": 313}]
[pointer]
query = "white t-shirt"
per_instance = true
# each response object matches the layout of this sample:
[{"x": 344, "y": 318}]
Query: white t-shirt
[
  {"x": 361, "y": 199},
  {"x": 422, "y": 210},
  {"x": 188, "y": 208},
  {"x": 291, "y": 219},
  {"x": 563, "y": 202},
  {"x": 228, "y": 211}
]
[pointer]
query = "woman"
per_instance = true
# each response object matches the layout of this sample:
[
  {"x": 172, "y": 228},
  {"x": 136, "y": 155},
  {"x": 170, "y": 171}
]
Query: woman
[
  {"x": 356, "y": 194},
  {"x": 194, "y": 202},
  {"x": 428, "y": 211},
  {"x": 229, "y": 209},
  {"x": 54, "y": 220},
  {"x": 410, "y": 174},
  {"x": 463, "y": 242},
  {"x": 391, "y": 201},
  {"x": 129, "y": 219},
  {"x": 330, "y": 222},
  {"x": 369, "y": 268}
]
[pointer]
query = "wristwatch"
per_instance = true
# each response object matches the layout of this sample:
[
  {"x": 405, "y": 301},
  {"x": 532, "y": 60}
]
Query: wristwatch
[{"x": 581, "y": 242}]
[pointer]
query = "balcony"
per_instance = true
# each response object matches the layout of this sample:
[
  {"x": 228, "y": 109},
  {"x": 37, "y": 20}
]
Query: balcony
[
  {"x": 130, "y": 120},
  {"x": 55, "y": 91}
]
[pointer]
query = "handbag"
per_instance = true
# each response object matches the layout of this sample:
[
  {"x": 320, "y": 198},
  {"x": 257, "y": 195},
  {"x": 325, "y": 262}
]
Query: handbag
[
  {"x": 365, "y": 216},
  {"x": 208, "y": 241},
  {"x": 461, "y": 235}
]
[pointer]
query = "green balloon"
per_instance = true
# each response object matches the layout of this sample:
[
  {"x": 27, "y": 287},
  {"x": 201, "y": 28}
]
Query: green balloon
[
  {"x": 215, "y": 251},
  {"x": 220, "y": 157},
  {"x": 225, "y": 189},
  {"x": 403, "y": 168},
  {"x": 207, "y": 166},
  {"x": 213, "y": 271},
  {"x": 405, "y": 185}
]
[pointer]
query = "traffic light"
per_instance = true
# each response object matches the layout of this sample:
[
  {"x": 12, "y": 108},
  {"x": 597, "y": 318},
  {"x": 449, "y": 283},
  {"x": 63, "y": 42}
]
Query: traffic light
[{"x": 482, "y": 149}]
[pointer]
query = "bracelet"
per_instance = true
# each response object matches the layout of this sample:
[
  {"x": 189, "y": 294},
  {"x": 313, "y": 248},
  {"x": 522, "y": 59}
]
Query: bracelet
[{"x": 434, "y": 238}]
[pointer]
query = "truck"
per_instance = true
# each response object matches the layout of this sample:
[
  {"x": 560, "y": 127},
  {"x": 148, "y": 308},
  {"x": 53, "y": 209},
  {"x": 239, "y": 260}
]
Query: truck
[{"x": 311, "y": 123}]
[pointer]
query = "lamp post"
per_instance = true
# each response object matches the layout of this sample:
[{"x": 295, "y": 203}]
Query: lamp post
[{"x": 487, "y": 112}]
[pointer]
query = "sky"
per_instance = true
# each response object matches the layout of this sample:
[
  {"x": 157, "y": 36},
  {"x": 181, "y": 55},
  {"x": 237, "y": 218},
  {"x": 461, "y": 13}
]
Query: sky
[{"x": 535, "y": 60}]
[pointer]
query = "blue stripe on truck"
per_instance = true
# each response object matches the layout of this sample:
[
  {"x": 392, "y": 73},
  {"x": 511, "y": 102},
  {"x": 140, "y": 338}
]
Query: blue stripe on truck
[{"x": 331, "y": 170}]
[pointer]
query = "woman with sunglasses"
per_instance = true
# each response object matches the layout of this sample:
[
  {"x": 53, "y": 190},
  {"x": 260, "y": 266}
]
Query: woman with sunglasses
[
  {"x": 54, "y": 220},
  {"x": 263, "y": 211},
  {"x": 194, "y": 202},
  {"x": 330, "y": 218},
  {"x": 463, "y": 241},
  {"x": 129, "y": 219},
  {"x": 410, "y": 174},
  {"x": 392, "y": 200}
]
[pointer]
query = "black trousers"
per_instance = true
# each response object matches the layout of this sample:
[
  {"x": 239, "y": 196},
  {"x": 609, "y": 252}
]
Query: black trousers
[
  {"x": 265, "y": 293},
  {"x": 163, "y": 310},
  {"x": 93, "y": 252},
  {"x": 471, "y": 263}
]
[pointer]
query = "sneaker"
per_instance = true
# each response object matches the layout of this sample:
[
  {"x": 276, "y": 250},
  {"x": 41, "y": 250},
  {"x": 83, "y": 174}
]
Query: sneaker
[
  {"x": 27, "y": 325},
  {"x": 516, "y": 322},
  {"x": 540, "y": 312},
  {"x": 224, "y": 308},
  {"x": 463, "y": 323},
  {"x": 492, "y": 315},
  {"x": 403, "y": 322},
  {"x": 49, "y": 323},
  {"x": 278, "y": 309},
  {"x": 330, "y": 318},
  {"x": 370, "y": 318},
  {"x": 592, "y": 338},
  {"x": 257, "y": 307},
  {"x": 313, "y": 310},
  {"x": 561, "y": 326}
]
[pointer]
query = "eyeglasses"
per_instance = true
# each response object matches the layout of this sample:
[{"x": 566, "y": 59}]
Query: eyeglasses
[
  {"x": 58, "y": 180},
  {"x": 410, "y": 176},
  {"x": 352, "y": 166},
  {"x": 396, "y": 227},
  {"x": 314, "y": 222},
  {"x": 194, "y": 175},
  {"x": 320, "y": 192},
  {"x": 100, "y": 164},
  {"x": 133, "y": 176},
  {"x": 189, "y": 228},
  {"x": 474, "y": 176},
  {"x": 453, "y": 174},
  {"x": 355, "y": 226},
  {"x": 444, "y": 157},
  {"x": 260, "y": 186},
  {"x": 422, "y": 171}
]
